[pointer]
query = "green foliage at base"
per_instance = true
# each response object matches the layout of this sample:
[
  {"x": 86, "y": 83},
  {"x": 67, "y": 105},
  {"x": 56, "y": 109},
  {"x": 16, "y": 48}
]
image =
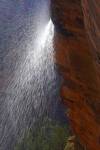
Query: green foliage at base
[{"x": 46, "y": 135}]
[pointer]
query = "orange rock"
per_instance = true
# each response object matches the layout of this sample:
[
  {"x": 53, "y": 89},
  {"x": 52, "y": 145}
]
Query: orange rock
[{"x": 78, "y": 57}]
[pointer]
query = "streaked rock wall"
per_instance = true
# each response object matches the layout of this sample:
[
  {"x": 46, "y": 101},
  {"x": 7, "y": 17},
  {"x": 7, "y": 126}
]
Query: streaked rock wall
[{"x": 77, "y": 55}]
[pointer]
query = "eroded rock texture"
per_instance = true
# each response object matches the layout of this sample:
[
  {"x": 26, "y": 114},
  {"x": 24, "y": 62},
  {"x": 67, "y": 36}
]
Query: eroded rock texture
[{"x": 78, "y": 57}]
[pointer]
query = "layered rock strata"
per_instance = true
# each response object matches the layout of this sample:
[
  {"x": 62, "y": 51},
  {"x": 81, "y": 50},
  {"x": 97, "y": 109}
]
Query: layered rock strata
[{"x": 77, "y": 55}]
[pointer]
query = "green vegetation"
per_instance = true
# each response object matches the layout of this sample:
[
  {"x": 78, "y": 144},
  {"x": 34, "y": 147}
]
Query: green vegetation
[{"x": 46, "y": 135}]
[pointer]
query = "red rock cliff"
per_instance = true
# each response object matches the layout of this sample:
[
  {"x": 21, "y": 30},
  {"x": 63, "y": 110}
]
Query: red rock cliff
[{"x": 77, "y": 44}]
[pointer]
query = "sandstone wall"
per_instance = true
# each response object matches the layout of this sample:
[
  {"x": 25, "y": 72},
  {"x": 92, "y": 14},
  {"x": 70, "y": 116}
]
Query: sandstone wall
[{"x": 77, "y": 55}]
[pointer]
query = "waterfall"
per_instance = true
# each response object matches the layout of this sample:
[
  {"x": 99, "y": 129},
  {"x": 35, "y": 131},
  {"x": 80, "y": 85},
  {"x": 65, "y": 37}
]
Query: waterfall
[{"x": 30, "y": 82}]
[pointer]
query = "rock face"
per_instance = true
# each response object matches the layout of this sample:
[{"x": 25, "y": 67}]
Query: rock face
[{"x": 77, "y": 44}]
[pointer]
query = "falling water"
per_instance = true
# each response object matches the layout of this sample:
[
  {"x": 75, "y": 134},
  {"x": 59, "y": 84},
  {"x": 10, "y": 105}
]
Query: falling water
[{"x": 29, "y": 83}]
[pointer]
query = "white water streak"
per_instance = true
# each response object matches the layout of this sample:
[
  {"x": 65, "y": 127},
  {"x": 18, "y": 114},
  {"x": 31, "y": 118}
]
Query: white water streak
[{"x": 34, "y": 71}]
